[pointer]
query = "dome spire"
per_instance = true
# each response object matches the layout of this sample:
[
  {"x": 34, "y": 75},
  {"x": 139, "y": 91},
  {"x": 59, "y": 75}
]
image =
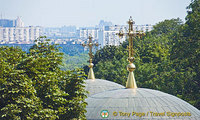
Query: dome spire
[
  {"x": 131, "y": 83},
  {"x": 90, "y": 45}
]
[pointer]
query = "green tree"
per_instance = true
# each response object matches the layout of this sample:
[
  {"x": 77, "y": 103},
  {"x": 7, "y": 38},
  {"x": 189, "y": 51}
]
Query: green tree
[
  {"x": 186, "y": 55},
  {"x": 43, "y": 67},
  {"x": 17, "y": 95},
  {"x": 32, "y": 85},
  {"x": 74, "y": 62},
  {"x": 166, "y": 27},
  {"x": 72, "y": 83}
]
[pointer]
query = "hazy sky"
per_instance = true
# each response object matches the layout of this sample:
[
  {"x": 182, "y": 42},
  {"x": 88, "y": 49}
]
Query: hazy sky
[{"x": 84, "y": 13}]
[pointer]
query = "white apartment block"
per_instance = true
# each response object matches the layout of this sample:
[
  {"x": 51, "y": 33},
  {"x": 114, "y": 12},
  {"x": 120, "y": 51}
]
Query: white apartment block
[
  {"x": 108, "y": 35},
  {"x": 19, "y": 35},
  {"x": 83, "y": 33}
]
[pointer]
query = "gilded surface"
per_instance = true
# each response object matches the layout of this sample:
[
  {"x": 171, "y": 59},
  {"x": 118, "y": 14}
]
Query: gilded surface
[
  {"x": 131, "y": 67},
  {"x": 90, "y": 45}
]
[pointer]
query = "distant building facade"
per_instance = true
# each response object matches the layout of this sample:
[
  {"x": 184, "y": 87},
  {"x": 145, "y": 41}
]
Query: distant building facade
[
  {"x": 14, "y": 32},
  {"x": 7, "y": 23},
  {"x": 83, "y": 33},
  {"x": 105, "y": 33},
  {"x": 60, "y": 32},
  {"x": 11, "y": 23},
  {"x": 19, "y": 35},
  {"x": 108, "y": 34}
]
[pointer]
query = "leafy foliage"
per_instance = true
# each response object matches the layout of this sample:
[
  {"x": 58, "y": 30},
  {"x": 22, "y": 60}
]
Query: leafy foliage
[
  {"x": 74, "y": 62},
  {"x": 72, "y": 49},
  {"x": 17, "y": 95},
  {"x": 186, "y": 54},
  {"x": 32, "y": 85}
]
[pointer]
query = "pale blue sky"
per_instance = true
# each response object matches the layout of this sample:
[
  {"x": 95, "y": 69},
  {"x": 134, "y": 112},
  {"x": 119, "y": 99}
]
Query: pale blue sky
[{"x": 83, "y": 13}]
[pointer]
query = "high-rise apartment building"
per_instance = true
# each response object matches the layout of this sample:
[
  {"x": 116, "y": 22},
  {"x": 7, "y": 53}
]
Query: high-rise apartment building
[
  {"x": 19, "y": 35},
  {"x": 83, "y": 33},
  {"x": 19, "y": 22},
  {"x": 108, "y": 34},
  {"x": 14, "y": 32}
]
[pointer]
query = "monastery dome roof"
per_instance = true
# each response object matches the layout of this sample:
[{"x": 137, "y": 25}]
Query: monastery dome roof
[
  {"x": 99, "y": 85},
  {"x": 140, "y": 103}
]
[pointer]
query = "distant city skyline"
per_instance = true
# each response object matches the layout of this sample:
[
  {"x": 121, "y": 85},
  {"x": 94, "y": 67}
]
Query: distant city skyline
[{"x": 82, "y": 13}]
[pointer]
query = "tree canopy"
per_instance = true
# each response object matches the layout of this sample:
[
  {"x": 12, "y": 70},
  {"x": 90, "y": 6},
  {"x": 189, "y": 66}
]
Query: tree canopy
[{"x": 32, "y": 85}]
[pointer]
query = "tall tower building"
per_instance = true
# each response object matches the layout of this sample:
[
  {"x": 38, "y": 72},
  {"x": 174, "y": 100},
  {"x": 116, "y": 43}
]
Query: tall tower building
[{"x": 19, "y": 22}]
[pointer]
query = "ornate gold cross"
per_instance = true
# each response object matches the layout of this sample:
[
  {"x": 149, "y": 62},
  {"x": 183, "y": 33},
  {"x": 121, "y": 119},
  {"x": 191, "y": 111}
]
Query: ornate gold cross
[
  {"x": 90, "y": 45},
  {"x": 131, "y": 35},
  {"x": 131, "y": 67}
]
